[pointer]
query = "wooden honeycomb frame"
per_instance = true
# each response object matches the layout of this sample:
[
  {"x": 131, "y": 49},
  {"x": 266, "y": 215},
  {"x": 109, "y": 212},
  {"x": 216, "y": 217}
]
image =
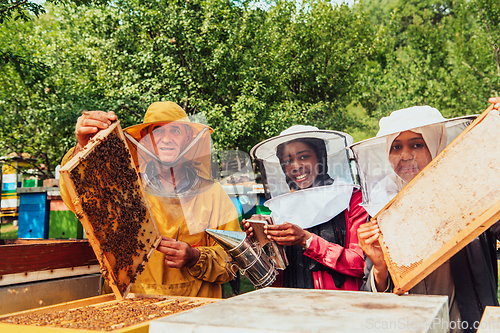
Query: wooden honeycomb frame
[
  {"x": 130, "y": 314},
  {"x": 450, "y": 202},
  {"x": 125, "y": 198}
]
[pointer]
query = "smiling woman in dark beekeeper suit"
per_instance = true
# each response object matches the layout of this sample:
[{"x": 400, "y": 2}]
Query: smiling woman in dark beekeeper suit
[
  {"x": 407, "y": 141},
  {"x": 315, "y": 205}
]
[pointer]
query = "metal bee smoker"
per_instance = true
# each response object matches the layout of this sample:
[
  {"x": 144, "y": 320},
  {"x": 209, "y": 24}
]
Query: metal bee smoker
[{"x": 249, "y": 257}]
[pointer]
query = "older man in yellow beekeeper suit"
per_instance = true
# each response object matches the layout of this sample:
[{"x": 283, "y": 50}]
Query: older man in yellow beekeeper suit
[{"x": 173, "y": 156}]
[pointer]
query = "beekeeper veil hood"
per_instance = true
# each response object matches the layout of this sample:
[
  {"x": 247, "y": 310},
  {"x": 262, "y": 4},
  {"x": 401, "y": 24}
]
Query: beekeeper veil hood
[
  {"x": 379, "y": 181},
  {"x": 174, "y": 156},
  {"x": 423, "y": 120},
  {"x": 170, "y": 151},
  {"x": 305, "y": 167}
]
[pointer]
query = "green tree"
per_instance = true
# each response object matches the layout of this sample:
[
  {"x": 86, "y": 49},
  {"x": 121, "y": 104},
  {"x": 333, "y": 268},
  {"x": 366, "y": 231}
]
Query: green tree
[
  {"x": 19, "y": 10},
  {"x": 303, "y": 70},
  {"x": 247, "y": 69},
  {"x": 34, "y": 113},
  {"x": 252, "y": 72},
  {"x": 30, "y": 119},
  {"x": 414, "y": 66},
  {"x": 439, "y": 53},
  {"x": 475, "y": 49}
]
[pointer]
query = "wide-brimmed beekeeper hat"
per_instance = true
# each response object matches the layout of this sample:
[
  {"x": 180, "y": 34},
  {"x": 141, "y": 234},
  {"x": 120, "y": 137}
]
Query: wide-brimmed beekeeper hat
[
  {"x": 197, "y": 153},
  {"x": 163, "y": 112},
  {"x": 322, "y": 201},
  {"x": 183, "y": 193}
]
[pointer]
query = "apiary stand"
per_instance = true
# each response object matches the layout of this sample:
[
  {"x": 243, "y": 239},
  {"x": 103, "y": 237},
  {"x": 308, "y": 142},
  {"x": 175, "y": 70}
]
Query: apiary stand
[
  {"x": 35, "y": 273},
  {"x": 305, "y": 310}
]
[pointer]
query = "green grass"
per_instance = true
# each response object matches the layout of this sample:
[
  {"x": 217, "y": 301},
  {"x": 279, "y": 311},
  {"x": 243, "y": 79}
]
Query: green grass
[
  {"x": 8, "y": 231},
  {"x": 245, "y": 286}
]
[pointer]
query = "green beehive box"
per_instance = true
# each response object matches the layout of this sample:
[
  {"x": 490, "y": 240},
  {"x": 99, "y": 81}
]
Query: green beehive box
[
  {"x": 263, "y": 210},
  {"x": 32, "y": 183},
  {"x": 63, "y": 223}
]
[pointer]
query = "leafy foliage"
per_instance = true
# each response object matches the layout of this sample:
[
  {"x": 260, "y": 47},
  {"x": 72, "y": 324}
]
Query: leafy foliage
[
  {"x": 24, "y": 10},
  {"x": 19, "y": 10},
  {"x": 436, "y": 54},
  {"x": 253, "y": 71}
]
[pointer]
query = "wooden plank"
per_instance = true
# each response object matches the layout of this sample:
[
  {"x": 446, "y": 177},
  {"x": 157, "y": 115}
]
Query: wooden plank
[
  {"x": 490, "y": 321},
  {"x": 111, "y": 204},
  {"x": 26, "y": 277},
  {"x": 36, "y": 255},
  {"x": 450, "y": 202},
  {"x": 65, "y": 306}
]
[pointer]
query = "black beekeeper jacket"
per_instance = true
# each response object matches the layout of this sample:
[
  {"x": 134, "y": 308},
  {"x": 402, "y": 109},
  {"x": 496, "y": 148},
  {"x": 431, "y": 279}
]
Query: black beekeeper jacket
[{"x": 475, "y": 274}]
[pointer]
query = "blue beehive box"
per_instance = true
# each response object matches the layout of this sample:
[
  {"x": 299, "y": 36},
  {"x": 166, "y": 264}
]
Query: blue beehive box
[
  {"x": 237, "y": 205},
  {"x": 34, "y": 212}
]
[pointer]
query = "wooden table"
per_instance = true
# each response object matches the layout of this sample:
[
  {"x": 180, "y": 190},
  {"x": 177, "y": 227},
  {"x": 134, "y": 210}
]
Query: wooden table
[
  {"x": 303, "y": 310},
  {"x": 490, "y": 322}
]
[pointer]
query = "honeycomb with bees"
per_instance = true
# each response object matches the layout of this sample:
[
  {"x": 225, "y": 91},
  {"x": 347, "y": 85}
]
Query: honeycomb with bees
[
  {"x": 109, "y": 200},
  {"x": 100, "y": 313}
]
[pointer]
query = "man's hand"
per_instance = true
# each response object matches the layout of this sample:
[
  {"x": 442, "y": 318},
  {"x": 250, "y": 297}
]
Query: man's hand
[
  {"x": 287, "y": 234},
  {"x": 178, "y": 254},
  {"x": 91, "y": 122},
  {"x": 368, "y": 235}
]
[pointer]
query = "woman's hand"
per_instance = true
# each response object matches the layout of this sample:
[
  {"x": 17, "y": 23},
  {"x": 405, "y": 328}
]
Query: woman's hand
[
  {"x": 368, "y": 235},
  {"x": 287, "y": 234},
  {"x": 496, "y": 102},
  {"x": 247, "y": 228},
  {"x": 91, "y": 122},
  {"x": 178, "y": 254}
]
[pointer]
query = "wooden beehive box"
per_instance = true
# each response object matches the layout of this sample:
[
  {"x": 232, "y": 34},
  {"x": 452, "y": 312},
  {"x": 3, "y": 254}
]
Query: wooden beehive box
[
  {"x": 452, "y": 201},
  {"x": 490, "y": 321},
  {"x": 100, "y": 313},
  {"x": 295, "y": 310},
  {"x": 110, "y": 201}
]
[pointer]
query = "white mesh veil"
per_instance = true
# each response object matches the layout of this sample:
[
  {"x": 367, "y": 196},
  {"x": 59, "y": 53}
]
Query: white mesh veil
[
  {"x": 329, "y": 181},
  {"x": 379, "y": 182}
]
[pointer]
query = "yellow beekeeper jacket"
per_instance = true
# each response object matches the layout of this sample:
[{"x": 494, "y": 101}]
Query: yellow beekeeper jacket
[
  {"x": 209, "y": 207},
  {"x": 209, "y": 272},
  {"x": 205, "y": 277}
]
